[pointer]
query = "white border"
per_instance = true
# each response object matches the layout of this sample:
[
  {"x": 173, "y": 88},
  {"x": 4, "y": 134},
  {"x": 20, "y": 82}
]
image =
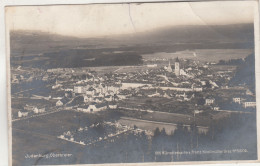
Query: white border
[{"x": 3, "y": 65}]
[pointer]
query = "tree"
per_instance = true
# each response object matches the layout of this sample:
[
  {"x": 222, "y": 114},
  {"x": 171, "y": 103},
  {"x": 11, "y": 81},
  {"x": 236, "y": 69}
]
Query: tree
[{"x": 156, "y": 132}]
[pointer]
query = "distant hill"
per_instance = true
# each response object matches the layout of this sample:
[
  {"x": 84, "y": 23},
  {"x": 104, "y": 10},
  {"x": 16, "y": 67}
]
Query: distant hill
[
  {"x": 245, "y": 73},
  {"x": 45, "y": 50}
]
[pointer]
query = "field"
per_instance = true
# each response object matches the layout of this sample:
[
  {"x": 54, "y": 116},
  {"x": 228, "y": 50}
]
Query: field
[
  {"x": 38, "y": 135},
  {"x": 117, "y": 69},
  {"x": 223, "y": 67},
  {"x": 159, "y": 104},
  {"x": 204, "y": 55}
]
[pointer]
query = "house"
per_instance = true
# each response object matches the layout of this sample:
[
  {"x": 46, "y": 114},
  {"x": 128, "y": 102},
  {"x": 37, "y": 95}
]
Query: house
[
  {"x": 62, "y": 102},
  {"x": 93, "y": 107},
  {"x": 15, "y": 79},
  {"x": 213, "y": 84},
  {"x": 203, "y": 83},
  {"x": 197, "y": 111},
  {"x": 68, "y": 90},
  {"x": 237, "y": 100},
  {"x": 28, "y": 107},
  {"x": 78, "y": 89},
  {"x": 112, "y": 105},
  {"x": 196, "y": 88},
  {"x": 38, "y": 110},
  {"x": 248, "y": 92},
  {"x": 45, "y": 77},
  {"x": 22, "y": 113},
  {"x": 59, "y": 103},
  {"x": 88, "y": 108},
  {"x": 209, "y": 101},
  {"x": 249, "y": 104},
  {"x": 215, "y": 108},
  {"x": 151, "y": 65},
  {"x": 108, "y": 98}
]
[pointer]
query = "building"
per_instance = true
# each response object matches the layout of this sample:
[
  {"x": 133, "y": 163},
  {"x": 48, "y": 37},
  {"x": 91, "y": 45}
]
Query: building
[
  {"x": 38, "y": 110},
  {"x": 169, "y": 68},
  {"x": 177, "y": 67},
  {"x": 152, "y": 65},
  {"x": 93, "y": 107},
  {"x": 45, "y": 77},
  {"x": 249, "y": 104},
  {"x": 237, "y": 100},
  {"x": 196, "y": 88},
  {"x": 78, "y": 89},
  {"x": 59, "y": 103},
  {"x": 109, "y": 98},
  {"x": 28, "y": 107},
  {"x": 209, "y": 101},
  {"x": 62, "y": 101},
  {"x": 112, "y": 106},
  {"x": 22, "y": 113},
  {"x": 68, "y": 90},
  {"x": 248, "y": 92}
]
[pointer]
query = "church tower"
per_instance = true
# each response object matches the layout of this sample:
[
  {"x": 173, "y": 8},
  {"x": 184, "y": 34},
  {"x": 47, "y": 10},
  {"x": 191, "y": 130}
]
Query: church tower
[
  {"x": 177, "y": 67},
  {"x": 169, "y": 68}
]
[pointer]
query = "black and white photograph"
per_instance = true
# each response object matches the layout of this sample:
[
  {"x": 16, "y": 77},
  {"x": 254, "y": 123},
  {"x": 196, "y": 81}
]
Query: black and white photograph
[{"x": 161, "y": 82}]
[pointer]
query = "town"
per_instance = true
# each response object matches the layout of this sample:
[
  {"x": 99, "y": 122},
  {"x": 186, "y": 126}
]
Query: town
[
  {"x": 185, "y": 83},
  {"x": 160, "y": 96}
]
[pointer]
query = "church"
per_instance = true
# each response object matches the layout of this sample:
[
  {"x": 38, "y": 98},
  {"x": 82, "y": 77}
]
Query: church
[{"x": 176, "y": 68}]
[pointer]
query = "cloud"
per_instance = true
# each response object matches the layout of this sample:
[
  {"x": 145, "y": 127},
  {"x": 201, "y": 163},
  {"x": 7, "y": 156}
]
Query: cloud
[{"x": 112, "y": 19}]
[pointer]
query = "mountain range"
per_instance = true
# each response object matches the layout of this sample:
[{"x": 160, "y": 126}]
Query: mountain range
[{"x": 46, "y": 50}]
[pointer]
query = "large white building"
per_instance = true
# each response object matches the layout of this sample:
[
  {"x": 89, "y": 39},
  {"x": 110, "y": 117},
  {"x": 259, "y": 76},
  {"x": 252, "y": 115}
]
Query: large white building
[
  {"x": 177, "y": 67},
  {"x": 237, "y": 100},
  {"x": 22, "y": 114},
  {"x": 209, "y": 101},
  {"x": 250, "y": 104}
]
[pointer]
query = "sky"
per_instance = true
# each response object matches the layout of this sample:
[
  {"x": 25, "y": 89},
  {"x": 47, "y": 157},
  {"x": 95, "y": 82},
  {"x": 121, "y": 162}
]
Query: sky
[{"x": 115, "y": 19}]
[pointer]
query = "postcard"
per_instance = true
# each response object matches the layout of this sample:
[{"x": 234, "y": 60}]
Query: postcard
[{"x": 136, "y": 83}]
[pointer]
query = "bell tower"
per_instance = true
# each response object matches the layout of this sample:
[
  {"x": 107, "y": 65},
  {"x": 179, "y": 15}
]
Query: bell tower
[{"x": 177, "y": 67}]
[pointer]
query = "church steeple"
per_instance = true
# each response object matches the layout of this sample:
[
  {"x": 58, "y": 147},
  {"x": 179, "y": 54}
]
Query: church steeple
[
  {"x": 177, "y": 67},
  {"x": 169, "y": 68}
]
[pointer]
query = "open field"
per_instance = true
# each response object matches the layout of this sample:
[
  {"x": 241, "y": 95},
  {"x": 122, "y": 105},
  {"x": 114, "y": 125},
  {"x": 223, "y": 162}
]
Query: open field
[
  {"x": 159, "y": 104},
  {"x": 38, "y": 135},
  {"x": 37, "y": 143},
  {"x": 205, "y": 55},
  {"x": 223, "y": 67},
  {"x": 118, "y": 69},
  {"x": 58, "y": 122}
]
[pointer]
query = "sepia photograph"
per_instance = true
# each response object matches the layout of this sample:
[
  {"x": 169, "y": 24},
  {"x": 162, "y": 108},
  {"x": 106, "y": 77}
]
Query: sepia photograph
[{"x": 164, "y": 82}]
